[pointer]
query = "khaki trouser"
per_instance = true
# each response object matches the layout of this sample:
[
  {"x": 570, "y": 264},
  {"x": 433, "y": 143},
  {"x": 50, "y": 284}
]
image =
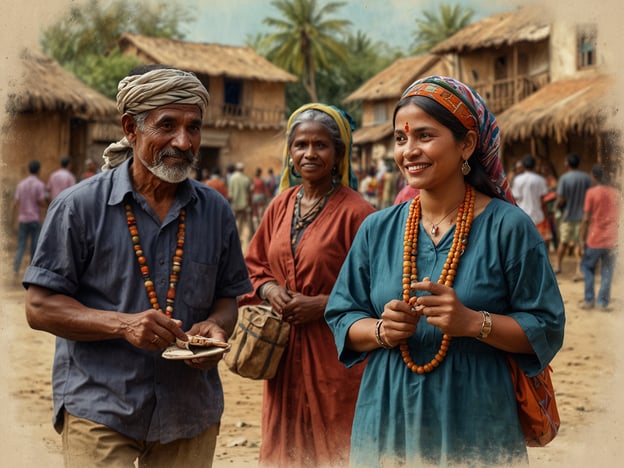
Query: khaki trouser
[{"x": 89, "y": 444}]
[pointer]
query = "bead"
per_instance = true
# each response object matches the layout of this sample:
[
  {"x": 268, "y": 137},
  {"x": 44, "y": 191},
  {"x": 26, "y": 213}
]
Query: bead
[
  {"x": 463, "y": 223},
  {"x": 176, "y": 261}
]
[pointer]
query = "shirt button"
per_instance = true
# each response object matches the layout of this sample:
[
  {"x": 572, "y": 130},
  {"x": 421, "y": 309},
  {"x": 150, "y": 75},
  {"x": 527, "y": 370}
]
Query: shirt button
[{"x": 162, "y": 261}]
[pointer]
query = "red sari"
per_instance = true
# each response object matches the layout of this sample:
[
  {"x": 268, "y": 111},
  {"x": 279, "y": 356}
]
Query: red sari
[{"x": 308, "y": 407}]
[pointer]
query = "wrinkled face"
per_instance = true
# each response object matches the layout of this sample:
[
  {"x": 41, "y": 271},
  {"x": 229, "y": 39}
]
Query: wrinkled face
[
  {"x": 168, "y": 142},
  {"x": 425, "y": 150},
  {"x": 313, "y": 152}
]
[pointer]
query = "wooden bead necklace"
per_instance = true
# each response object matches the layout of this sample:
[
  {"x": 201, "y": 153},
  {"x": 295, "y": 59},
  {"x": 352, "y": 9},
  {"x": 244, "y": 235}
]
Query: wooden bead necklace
[
  {"x": 447, "y": 276},
  {"x": 176, "y": 262}
]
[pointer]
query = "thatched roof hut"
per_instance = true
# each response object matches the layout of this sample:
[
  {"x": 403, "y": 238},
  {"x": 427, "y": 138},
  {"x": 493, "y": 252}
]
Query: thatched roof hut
[
  {"x": 501, "y": 29},
  {"x": 46, "y": 86},
  {"x": 209, "y": 59},
  {"x": 392, "y": 81},
  {"x": 574, "y": 105}
]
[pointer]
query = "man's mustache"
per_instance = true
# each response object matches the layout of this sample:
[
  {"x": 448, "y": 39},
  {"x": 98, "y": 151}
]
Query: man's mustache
[{"x": 174, "y": 152}]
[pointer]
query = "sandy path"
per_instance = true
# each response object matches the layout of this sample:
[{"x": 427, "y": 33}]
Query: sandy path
[{"x": 585, "y": 377}]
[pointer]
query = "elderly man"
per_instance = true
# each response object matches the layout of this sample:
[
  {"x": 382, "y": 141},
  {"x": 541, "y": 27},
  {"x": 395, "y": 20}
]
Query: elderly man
[{"x": 129, "y": 261}]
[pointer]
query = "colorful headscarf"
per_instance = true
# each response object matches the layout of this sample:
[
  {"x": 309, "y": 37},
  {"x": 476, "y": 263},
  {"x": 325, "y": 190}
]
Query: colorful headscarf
[
  {"x": 156, "y": 88},
  {"x": 346, "y": 127},
  {"x": 470, "y": 109}
]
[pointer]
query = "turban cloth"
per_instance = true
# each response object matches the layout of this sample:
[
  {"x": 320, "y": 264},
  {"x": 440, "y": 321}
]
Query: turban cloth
[
  {"x": 345, "y": 125},
  {"x": 470, "y": 109},
  {"x": 143, "y": 93}
]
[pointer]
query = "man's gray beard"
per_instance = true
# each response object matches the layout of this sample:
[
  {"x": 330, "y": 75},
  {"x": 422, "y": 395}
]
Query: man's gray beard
[{"x": 173, "y": 175}]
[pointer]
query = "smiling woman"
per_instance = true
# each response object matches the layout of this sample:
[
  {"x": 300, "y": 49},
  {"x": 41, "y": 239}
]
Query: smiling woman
[
  {"x": 293, "y": 260},
  {"x": 464, "y": 280}
]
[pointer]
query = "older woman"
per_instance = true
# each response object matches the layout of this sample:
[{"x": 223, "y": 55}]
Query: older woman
[
  {"x": 293, "y": 261},
  {"x": 438, "y": 291}
]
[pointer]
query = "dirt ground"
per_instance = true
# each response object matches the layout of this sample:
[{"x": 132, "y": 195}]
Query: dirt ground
[{"x": 586, "y": 373}]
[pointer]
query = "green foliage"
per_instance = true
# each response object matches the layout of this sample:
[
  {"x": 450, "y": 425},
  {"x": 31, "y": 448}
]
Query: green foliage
[
  {"x": 84, "y": 41},
  {"x": 305, "y": 41},
  {"x": 330, "y": 61},
  {"x": 432, "y": 29}
]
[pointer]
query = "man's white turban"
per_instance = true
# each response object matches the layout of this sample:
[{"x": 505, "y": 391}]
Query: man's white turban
[{"x": 156, "y": 88}]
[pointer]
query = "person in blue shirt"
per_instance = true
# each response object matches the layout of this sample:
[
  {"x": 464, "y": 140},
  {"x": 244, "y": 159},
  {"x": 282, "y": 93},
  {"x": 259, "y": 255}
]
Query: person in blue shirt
[
  {"x": 130, "y": 260},
  {"x": 438, "y": 291}
]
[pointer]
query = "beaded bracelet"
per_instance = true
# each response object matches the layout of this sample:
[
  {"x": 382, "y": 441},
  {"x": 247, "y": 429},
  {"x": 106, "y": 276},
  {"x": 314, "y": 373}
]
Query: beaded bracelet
[{"x": 380, "y": 340}]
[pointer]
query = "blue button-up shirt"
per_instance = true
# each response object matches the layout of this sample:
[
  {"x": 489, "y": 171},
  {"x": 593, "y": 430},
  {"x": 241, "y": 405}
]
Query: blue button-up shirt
[{"x": 85, "y": 251}]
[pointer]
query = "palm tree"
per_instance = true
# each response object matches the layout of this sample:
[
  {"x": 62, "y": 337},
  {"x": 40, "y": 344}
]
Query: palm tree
[
  {"x": 305, "y": 41},
  {"x": 433, "y": 29}
]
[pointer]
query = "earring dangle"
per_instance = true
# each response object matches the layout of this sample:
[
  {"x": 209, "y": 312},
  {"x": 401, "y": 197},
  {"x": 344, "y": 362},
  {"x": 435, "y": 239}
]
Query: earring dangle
[
  {"x": 291, "y": 165},
  {"x": 465, "y": 168}
]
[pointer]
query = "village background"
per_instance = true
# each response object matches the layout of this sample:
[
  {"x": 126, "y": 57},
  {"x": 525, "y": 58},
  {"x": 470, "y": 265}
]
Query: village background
[{"x": 588, "y": 371}]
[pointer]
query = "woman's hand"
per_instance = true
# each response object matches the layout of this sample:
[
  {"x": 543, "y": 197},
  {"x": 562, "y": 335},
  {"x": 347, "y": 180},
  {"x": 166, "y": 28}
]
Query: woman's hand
[
  {"x": 278, "y": 296},
  {"x": 399, "y": 322},
  {"x": 443, "y": 309},
  {"x": 301, "y": 309}
]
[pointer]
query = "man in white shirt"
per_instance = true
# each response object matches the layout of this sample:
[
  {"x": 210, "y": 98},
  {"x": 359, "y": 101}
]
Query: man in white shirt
[{"x": 529, "y": 189}]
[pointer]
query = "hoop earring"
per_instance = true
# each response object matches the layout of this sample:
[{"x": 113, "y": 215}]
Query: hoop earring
[
  {"x": 291, "y": 166},
  {"x": 465, "y": 168}
]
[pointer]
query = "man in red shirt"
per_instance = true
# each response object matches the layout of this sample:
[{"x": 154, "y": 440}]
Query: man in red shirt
[{"x": 599, "y": 236}]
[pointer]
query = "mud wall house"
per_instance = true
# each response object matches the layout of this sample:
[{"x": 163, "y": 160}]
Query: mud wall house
[
  {"x": 50, "y": 114},
  {"x": 545, "y": 80},
  {"x": 246, "y": 116},
  {"x": 373, "y": 142}
]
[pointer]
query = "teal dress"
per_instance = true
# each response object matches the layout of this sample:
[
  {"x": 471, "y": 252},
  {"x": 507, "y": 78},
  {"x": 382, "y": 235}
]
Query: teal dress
[{"x": 464, "y": 411}]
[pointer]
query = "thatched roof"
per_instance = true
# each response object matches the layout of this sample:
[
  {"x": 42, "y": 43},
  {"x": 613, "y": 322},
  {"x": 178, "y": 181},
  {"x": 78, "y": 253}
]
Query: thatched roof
[
  {"x": 392, "y": 81},
  {"x": 208, "y": 59},
  {"x": 372, "y": 134},
  {"x": 46, "y": 86},
  {"x": 570, "y": 105},
  {"x": 525, "y": 24}
]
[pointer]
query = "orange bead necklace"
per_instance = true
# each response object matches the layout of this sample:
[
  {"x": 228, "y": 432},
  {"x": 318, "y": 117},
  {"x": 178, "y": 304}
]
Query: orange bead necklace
[
  {"x": 176, "y": 262},
  {"x": 410, "y": 273}
]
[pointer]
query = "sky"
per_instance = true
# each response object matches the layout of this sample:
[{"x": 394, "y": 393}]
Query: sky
[{"x": 230, "y": 22}]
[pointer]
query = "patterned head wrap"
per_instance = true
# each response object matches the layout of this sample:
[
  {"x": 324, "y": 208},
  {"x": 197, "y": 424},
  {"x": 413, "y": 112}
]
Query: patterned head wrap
[
  {"x": 345, "y": 125},
  {"x": 470, "y": 109},
  {"x": 146, "y": 92}
]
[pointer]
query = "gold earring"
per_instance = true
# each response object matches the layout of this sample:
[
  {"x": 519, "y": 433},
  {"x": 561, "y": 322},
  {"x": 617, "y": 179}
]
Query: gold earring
[{"x": 465, "y": 168}]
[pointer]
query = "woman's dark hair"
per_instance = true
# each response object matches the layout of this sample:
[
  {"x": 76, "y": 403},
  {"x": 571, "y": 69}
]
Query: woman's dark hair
[{"x": 477, "y": 177}]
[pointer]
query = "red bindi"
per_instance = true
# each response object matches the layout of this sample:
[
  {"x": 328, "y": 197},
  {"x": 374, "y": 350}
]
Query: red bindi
[{"x": 406, "y": 127}]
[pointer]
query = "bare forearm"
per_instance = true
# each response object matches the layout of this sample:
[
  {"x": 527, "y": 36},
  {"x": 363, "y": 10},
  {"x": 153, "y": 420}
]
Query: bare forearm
[
  {"x": 507, "y": 335},
  {"x": 225, "y": 314},
  {"x": 361, "y": 336},
  {"x": 65, "y": 317}
]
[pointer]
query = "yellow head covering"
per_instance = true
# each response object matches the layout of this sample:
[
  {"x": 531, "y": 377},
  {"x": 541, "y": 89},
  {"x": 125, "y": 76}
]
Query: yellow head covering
[{"x": 345, "y": 125}]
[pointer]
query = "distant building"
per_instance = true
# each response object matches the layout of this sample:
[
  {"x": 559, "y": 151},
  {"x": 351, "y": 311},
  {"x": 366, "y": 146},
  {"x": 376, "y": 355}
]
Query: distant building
[
  {"x": 546, "y": 80},
  {"x": 246, "y": 116},
  {"x": 373, "y": 142},
  {"x": 50, "y": 113}
]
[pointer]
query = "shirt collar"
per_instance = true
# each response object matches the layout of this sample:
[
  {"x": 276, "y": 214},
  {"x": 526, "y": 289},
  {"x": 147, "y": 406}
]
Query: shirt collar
[{"x": 122, "y": 185}]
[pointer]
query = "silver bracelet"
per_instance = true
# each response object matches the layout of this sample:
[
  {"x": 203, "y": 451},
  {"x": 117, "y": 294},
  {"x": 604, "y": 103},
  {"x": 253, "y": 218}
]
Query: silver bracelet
[
  {"x": 262, "y": 288},
  {"x": 380, "y": 340},
  {"x": 486, "y": 325}
]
